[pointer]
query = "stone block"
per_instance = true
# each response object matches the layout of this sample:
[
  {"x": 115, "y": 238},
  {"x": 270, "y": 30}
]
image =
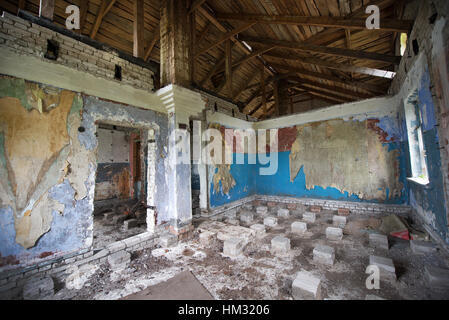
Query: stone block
[
  {"x": 339, "y": 221},
  {"x": 280, "y": 245},
  {"x": 259, "y": 228},
  {"x": 437, "y": 277},
  {"x": 377, "y": 240},
  {"x": 234, "y": 222},
  {"x": 262, "y": 210},
  {"x": 233, "y": 247},
  {"x": 316, "y": 209},
  {"x": 119, "y": 260},
  {"x": 343, "y": 212},
  {"x": 283, "y": 213},
  {"x": 306, "y": 287},
  {"x": 299, "y": 227},
  {"x": 386, "y": 266},
  {"x": 334, "y": 234},
  {"x": 271, "y": 204},
  {"x": 422, "y": 247},
  {"x": 246, "y": 217},
  {"x": 207, "y": 237},
  {"x": 38, "y": 288},
  {"x": 291, "y": 206},
  {"x": 130, "y": 223},
  {"x": 270, "y": 221},
  {"x": 168, "y": 240},
  {"x": 309, "y": 216},
  {"x": 231, "y": 214},
  {"x": 324, "y": 254}
]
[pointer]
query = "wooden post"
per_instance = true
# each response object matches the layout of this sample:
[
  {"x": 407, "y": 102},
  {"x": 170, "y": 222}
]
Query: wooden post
[
  {"x": 138, "y": 32},
  {"x": 46, "y": 9},
  {"x": 175, "y": 43},
  {"x": 192, "y": 18},
  {"x": 276, "y": 97},
  {"x": 228, "y": 67},
  {"x": 264, "y": 90}
]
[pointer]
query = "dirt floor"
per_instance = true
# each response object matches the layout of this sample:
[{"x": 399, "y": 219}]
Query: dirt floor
[{"x": 257, "y": 274}]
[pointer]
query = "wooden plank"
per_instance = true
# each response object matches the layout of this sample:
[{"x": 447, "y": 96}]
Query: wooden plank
[
  {"x": 192, "y": 16},
  {"x": 138, "y": 29},
  {"x": 347, "y": 53},
  {"x": 276, "y": 97},
  {"x": 21, "y": 5},
  {"x": 204, "y": 32},
  {"x": 228, "y": 66},
  {"x": 212, "y": 71},
  {"x": 264, "y": 89},
  {"x": 227, "y": 36},
  {"x": 84, "y": 5},
  {"x": 195, "y": 5},
  {"x": 106, "y": 5},
  {"x": 336, "y": 66},
  {"x": 46, "y": 9},
  {"x": 245, "y": 84},
  {"x": 390, "y": 25}
]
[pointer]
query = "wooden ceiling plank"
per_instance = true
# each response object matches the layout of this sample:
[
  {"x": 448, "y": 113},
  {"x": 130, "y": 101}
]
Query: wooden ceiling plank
[
  {"x": 106, "y": 5},
  {"x": 46, "y": 9},
  {"x": 138, "y": 29},
  {"x": 156, "y": 38}
]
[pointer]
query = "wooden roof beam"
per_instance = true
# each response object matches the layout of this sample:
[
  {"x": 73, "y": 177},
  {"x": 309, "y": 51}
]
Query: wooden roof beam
[
  {"x": 346, "y": 53},
  {"x": 391, "y": 25},
  {"x": 195, "y": 5},
  {"x": 106, "y": 5}
]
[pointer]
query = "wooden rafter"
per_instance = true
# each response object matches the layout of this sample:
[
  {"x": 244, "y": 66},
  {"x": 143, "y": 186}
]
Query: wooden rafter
[
  {"x": 204, "y": 32},
  {"x": 228, "y": 66},
  {"x": 227, "y": 36},
  {"x": 391, "y": 25},
  {"x": 47, "y": 9},
  {"x": 154, "y": 40},
  {"x": 138, "y": 29},
  {"x": 21, "y": 5},
  {"x": 84, "y": 5},
  {"x": 195, "y": 5},
  {"x": 106, "y": 5},
  {"x": 346, "y": 53}
]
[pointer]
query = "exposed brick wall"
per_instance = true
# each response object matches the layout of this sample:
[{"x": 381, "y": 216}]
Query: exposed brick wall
[{"x": 26, "y": 38}]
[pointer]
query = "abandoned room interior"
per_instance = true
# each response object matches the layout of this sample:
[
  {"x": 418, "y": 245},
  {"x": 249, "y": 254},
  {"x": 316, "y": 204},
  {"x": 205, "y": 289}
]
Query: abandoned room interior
[{"x": 224, "y": 150}]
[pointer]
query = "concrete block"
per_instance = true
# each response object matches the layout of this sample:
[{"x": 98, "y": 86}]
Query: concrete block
[
  {"x": 315, "y": 209},
  {"x": 309, "y": 216},
  {"x": 280, "y": 245},
  {"x": 130, "y": 223},
  {"x": 262, "y": 210},
  {"x": 422, "y": 247},
  {"x": 283, "y": 213},
  {"x": 271, "y": 204},
  {"x": 168, "y": 240},
  {"x": 377, "y": 240},
  {"x": 119, "y": 260},
  {"x": 324, "y": 254},
  {"x": 291, "y": 206},
  {"x": 437, "y": 277},
  {"x": 38, "y": 288},
  {"x": 233, "y": 247},
  {"x": 386, "y": 265},
  {"x": 299, "y": 227},
  {"x": 234, "y": 222},
  {"x": 246, "y": 217},
  {"x": 206, "y": 237},
  {"x": 231, "y": 214},
  {"x": 334, "y": 234},
  {"x": 339, "y": 221},
  {"x": 108, "y": 215},
  {"x": 306, "y": 287},
  {"x": 259, "y": 228},
  {"x": 270, "y": 221}
]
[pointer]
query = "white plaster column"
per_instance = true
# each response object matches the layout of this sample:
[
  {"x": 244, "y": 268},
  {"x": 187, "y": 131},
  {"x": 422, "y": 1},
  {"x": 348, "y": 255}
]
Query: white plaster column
[{"x": 181, "y": 104}]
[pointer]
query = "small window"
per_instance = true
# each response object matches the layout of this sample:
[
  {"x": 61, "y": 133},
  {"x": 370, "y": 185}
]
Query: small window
[
  {"x": 403, "y": 43},
  {"x": 415, "y": 138}
]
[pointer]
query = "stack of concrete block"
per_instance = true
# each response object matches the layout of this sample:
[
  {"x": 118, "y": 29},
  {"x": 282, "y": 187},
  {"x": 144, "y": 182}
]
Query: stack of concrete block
[
  {"x": 437, "y": 277},
  {"x": 334, "y": 234},
  {"x": 280, "y": 245},
  {"x": 259, "y": 229},
  {"x": 233, "y": 247},
  {"x": 38, "y": 288},
  {"x": 119, "y": 260},
  {"x": 339, "y": 221},
  {"x": 168, "y": 240},
  {"x": 270, "y": 221},
  {"x": 283, "y": 213},
  {"x": 377, "y": 240},
  {"x": 324, "y": 254},
  {"x": 309, "y": 216},
  {"x": 262, "y": 210},
  {"x": 299, "y": 227},
  {"x": 422, "y": 247},
  {"x": 386, "y": 266},
  {"x": 306, "y": 287},
  {"x": 246, "y": 217},
  {"x": 130, "y": 223}
]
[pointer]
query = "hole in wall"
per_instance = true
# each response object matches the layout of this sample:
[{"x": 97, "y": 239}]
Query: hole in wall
[
  {"x": 415, "y": 46},
  {"x": 118, "y": 73},
  {"x": 52, "y": 50}
]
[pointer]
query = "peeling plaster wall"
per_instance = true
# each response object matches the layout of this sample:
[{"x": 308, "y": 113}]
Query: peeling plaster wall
[{"x": 48, "y": 164}]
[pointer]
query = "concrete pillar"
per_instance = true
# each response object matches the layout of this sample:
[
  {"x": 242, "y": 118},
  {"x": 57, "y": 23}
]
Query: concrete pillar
[{"x": 181, "y": 104}]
